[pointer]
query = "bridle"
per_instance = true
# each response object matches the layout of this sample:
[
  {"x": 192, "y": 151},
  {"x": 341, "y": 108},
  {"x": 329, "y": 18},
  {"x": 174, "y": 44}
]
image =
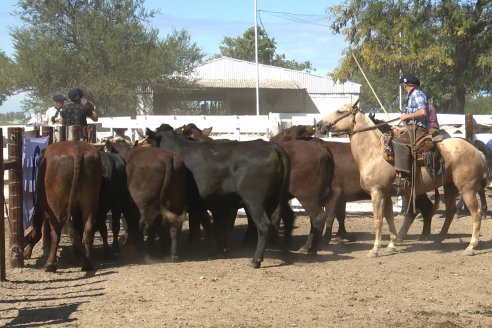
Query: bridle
[{"x": 355, "y": 109}]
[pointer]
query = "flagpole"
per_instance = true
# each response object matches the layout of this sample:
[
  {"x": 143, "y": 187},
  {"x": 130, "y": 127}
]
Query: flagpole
[{"x": 257, "y": 66}]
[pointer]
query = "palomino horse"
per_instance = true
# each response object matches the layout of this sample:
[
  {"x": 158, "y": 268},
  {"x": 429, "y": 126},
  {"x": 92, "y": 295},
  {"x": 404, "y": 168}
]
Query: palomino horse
[{"x": 464, "y": 172}]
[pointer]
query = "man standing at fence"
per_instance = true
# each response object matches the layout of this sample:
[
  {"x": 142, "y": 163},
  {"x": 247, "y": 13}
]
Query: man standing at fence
[
  {"x": 52, "y": 116},
  {"x": 78, "y": 110}
]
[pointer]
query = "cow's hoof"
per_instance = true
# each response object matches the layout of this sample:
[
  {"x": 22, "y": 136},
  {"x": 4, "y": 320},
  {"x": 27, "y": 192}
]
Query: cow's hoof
[
  {"x": 439, "y": 239},
  {"x": 372, "y": 253},
  {"x": 391, "y": 249},
  {"x": 423, "y": 238},
  {"x": 88, "y": 267},
  {"x": 469, "y": 252},
  {"x": 398, "y": 241},
  {"x": 175, "y": 258},
  {"x": 255, "y": 264},
  {"x": 305, "y": 249},
  {"x": 51, "y": 267}
]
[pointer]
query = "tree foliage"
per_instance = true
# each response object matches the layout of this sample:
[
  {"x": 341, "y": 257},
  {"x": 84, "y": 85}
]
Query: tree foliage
[
  {"x": 103, "y": 47},
  {"x": 243, "y": 47},
  {"x": 6, "y": 74},
  {"x": 446, "y": 43}
]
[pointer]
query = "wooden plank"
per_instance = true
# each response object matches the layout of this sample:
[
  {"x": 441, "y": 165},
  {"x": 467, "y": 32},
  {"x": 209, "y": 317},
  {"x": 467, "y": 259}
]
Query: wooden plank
[
  {"x": 2, "y": 218},
  {"x": 15, "y": 198}
]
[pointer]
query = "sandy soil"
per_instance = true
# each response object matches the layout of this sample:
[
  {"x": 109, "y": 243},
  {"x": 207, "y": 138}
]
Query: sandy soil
[{"x": 423, "y": 285}]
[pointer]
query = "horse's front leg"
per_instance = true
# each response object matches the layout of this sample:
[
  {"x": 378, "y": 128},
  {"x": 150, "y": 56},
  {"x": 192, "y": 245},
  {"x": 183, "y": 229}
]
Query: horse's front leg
[
  {"x": 388, "y": 214},
  {"x": 471, "y": 202},
  {"x": 377, "y": 208}
]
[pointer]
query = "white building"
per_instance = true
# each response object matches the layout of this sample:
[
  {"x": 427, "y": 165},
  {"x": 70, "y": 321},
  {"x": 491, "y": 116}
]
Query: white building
[{"x": 227, "y": 86}]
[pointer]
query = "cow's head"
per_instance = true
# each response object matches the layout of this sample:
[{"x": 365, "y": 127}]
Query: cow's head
[
  {"x": 192, "y": 132},
  {"x": 153, "y": 137}
]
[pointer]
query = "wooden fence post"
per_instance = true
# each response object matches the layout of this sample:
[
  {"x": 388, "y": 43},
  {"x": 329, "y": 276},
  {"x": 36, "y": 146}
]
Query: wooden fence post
[
  {"x": 3, "y": 276},
  {"x": 75, "y": 136},
  {"x": 469, "y": 126},
  {"x": 63, "y": 133},
  {"x": 91, "y": 130},
  {"x": 15, "y": 197},
  {"x": 48, "y": 131}
]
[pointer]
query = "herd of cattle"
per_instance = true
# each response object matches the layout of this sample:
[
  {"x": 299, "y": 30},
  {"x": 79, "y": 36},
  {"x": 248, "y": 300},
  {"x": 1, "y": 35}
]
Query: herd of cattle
[{"x": 186, "y": 174}]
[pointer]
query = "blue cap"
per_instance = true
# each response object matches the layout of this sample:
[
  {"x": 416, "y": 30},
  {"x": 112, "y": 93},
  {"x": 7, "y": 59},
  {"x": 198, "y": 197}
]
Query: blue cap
[
  {"x": 59, "y": 97},
  {"x": 75, "y": 94},
  {"x": 409, "y": 79}
]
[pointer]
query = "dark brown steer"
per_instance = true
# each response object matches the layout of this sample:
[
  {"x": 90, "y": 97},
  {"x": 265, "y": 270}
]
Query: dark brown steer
[
  {"x": 310, "y": 177},
  {"x": 67, "y": 185},
  {"x": 230, "y": 175}
]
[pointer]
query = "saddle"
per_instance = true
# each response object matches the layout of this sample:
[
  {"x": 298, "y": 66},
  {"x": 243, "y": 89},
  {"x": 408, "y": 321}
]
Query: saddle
[{"x": 425, "y": 150}]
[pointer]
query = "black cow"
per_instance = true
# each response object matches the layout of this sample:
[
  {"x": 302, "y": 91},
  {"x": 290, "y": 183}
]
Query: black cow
[
  {"x": 230, "y": 175},
  {"x": 115, "y": 196}
]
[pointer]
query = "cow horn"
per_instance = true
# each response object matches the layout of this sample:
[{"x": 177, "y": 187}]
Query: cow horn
[
  {"x": 140, "y": 133},
  {"x": 139, "y": 142}
]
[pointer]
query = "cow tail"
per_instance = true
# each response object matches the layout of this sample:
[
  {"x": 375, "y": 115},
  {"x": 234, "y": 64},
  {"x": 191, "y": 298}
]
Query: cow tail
[
  {"x": 73, "y": 187},
  {"x": 167, "y": 176},
  {"x": 170, "y": 216},
  {"x": 284, "y": 187}
]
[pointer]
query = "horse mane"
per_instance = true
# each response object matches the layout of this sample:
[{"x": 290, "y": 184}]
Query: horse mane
[{"x": 382, "y": 125}]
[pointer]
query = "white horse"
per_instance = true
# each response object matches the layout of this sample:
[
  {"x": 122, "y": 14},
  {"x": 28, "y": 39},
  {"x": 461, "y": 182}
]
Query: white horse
[{"x": 464, "y": 172}]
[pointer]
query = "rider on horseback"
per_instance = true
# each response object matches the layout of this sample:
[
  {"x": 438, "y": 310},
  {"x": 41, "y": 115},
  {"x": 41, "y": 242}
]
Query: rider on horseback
[{"x": 416, "y": 122}]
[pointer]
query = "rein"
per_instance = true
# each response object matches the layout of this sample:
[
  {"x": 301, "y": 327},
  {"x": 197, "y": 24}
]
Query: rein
[{"x": 363, "y": 129}]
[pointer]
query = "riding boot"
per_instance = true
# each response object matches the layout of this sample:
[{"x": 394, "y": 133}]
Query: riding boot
[{"x": 403, "y": 162}]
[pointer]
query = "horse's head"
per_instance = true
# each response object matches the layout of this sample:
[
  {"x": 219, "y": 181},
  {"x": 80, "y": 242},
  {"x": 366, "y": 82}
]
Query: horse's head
[{"x": 340, "y": 120}]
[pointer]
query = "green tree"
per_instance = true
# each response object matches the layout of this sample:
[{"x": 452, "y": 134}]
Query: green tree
[
  {"x": 243, "y": 47},
  {"x": 479, "y": 104},
  {"x": 103, "y": 47},
  {"x": 6, "y": 73},
  {"x": 446, "y": 43}
]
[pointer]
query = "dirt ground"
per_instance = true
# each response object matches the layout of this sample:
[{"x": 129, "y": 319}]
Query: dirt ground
[{"x": 425, "y": 284}]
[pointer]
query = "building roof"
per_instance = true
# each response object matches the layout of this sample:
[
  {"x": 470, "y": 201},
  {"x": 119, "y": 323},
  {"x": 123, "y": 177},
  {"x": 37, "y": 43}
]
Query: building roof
[{"x": 226, "y": 72}]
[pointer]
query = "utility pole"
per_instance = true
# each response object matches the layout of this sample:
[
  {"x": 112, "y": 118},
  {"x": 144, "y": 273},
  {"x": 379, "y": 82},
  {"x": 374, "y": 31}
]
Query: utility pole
[{"x": 257, "y": 66}]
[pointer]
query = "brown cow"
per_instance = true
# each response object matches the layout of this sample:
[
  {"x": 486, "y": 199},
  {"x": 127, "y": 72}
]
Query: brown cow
[
  {"x": 157, "y": 184},
  {"x": 146, "y": 168},
  {"x": 192, "y": 132},
  {"x": 67, "y": 185}
]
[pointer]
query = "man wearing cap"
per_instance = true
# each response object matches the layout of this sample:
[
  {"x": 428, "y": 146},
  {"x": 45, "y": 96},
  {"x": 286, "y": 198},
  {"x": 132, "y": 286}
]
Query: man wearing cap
[
  {"x": 52, "y": 116},
  {"x": 78, "y": 110},
  {"x": 415, "y": 117}
]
